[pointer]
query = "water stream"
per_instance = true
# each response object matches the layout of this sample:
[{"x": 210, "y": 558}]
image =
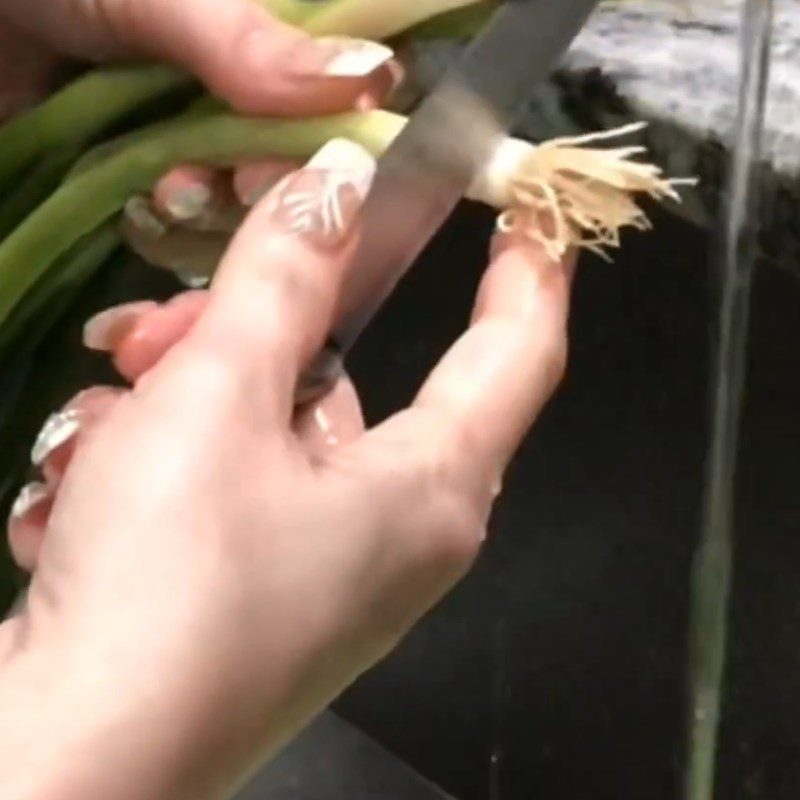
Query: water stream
[{"x": 711, "y": 577}]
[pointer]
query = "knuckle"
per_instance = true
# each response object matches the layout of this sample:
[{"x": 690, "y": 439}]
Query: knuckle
[
  {"x": 455, "y": 533},
  {"x": 204, "y": 368},
  {"x": 280, "y": 269},
  {"x": 454, "y": 526},
  {"x": 111, "y": 24}
]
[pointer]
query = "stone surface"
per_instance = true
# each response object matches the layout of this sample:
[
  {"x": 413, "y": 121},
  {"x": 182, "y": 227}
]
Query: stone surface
[{"x": 676, "y": 65}]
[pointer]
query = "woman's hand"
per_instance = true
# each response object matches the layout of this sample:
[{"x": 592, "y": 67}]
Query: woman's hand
[
  {"x": 254, "y": 62},
  {"x": 210, "y": 567}
]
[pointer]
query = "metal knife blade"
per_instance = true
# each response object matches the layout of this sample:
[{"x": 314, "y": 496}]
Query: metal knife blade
[{"x": 430, "y": 165}]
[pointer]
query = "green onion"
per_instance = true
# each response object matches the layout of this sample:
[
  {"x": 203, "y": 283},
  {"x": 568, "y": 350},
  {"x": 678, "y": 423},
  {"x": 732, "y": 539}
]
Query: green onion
[
  {"x": 87, "y": 200},
  {"x": 79, "y": 112},
  {"x": 32, "y": 188},
  {"x": 376, "y": 20},
  {"x": 460, "y": 23},
  {"x": 586, "y": 192},
  {"x": 57, "y": 287}
]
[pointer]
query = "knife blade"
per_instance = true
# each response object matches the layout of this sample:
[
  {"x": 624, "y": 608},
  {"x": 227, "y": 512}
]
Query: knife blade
[{"x": 428, "y": 168}]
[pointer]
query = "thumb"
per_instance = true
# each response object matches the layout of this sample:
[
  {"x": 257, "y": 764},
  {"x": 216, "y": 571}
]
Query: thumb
[{"x": 242, "y": 53}]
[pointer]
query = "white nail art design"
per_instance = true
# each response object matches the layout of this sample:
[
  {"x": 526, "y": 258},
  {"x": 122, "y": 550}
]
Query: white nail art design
[
  {"x": 29, "y": 496},
  {"x": 57, "y": 430},
  {"x": 355, "y": 58},
  {"x": 324, "y": 208}
]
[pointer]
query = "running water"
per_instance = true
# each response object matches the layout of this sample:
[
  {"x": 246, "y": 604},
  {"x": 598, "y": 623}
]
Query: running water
[{"x": 713, "y": 561}]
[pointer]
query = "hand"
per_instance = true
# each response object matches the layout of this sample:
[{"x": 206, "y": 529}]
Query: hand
[
  {"x": 245, "y": 56},
  {"x": 210, "y": 568}
]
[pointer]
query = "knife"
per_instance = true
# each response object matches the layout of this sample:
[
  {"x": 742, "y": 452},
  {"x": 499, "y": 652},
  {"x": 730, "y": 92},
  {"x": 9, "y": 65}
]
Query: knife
[{"x": 429, "y": 167}]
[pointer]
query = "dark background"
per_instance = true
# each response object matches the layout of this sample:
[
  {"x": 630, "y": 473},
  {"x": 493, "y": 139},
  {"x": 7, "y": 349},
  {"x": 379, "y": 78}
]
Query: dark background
[{"x": 556, "y": 670}]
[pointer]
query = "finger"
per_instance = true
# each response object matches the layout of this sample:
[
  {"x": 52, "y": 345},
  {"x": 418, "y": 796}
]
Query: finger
[
  {"x": 275, "y": 293},
  {"x": 156, "y": 333},
  {"x": 242, "y": 53},
  {"x": 27, "y": 69},
  {"x": 52, "y": 453},
  {"x": 55, "y": 445},
  {"x": 27, "y": 523},
  {"x": 261, "y": 65},
  {"x": 334, "y": 421},
  {"x": 106, "y": 330},
  {"x": 138, "y": 335},
  {"x": 495, "y": 380},
  {"x": 252, "y": 181}
]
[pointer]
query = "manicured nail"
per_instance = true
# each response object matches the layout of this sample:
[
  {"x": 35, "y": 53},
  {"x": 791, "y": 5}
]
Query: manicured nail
[
  {"x": 188, "y": 203},
  {"x": 28, "y": 498},
  {"x": 140, "y": 213},
  {"x": 397, "y": 74},
  {"x": 366, "y": 102},
  {"x": 104, "y": 331},
  {"x": 57, "y": 430},
  {"x": 321, "y": 201},
  {"x": 354, "y": 58},
  {"x": 191, "y": 279}
]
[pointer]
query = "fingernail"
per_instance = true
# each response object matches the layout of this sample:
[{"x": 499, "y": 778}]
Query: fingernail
[
  {"x": 321, "y": 201},
  {"x": 192, "y": 280},
  {"x": 366, "y": 102},
  {"x": 354, "y": 58},
  {"x": 28, "y": 498},
  {"x": 188, "y": 203},
  {"x": 139, "y": 212},
  {"x": 373, "y": 97},
  {"x": 104, "y": 331},
  {"x": 57, "y": 430},
  {"x": 397, "y": 73}
]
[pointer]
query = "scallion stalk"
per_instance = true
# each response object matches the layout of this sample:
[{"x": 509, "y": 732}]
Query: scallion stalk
[
  {"x": 58, "y": 286},
  {"x": 42, "y": 178},
  {"x": 460, "y": 23},
  {"x": 84, "y": 202},
  {"x": 586, "y": 193},
  {"x": 80, "y": 111},
  {"x": 370, "y": 20}
]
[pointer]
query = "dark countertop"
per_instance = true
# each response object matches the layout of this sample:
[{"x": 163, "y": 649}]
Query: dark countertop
[{"x": 556, "y": 669}]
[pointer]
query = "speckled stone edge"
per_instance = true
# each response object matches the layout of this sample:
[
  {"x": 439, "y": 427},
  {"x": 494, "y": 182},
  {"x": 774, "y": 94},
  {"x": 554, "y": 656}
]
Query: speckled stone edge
[
  {"x": 590, "y": 100},
  {"x": 648, "y": 61}
]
